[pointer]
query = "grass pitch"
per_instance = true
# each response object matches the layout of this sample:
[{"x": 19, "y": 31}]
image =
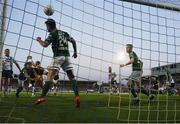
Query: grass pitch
[{"x": 94, "y": 108}]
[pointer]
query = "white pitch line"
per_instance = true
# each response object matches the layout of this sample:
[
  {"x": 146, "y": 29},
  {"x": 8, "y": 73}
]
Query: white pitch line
[
  {"x": 9, "y": 116},
  {"x": 127, "y": 108},
  {"x": 151, "y": 121},
  {"x": 23, "y": 120}
]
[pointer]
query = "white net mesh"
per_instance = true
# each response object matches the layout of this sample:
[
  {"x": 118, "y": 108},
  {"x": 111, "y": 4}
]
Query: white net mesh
[{"x": 102, "y": 28}]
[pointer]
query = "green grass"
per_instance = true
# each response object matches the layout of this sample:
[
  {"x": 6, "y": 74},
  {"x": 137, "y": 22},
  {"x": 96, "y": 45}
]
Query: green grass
[{"x": 93, "y": 108}]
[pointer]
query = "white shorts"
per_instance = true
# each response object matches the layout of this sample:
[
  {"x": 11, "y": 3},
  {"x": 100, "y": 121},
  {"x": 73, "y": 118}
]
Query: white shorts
[
  {"x": 136, "y": 76},
  {"x": 61, "y": 62}
]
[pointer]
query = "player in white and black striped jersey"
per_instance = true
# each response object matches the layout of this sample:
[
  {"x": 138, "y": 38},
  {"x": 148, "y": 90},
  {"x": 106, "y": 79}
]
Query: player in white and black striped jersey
[{"x": 7, "y": 71}]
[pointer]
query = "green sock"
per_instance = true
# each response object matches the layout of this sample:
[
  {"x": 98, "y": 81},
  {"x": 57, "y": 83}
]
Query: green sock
[
  {"x": 133, "y": 92},
  {"x": 46, "y": 87},
  {"x": 144, "y": 91},
  {"x": 75, "y": 88}
]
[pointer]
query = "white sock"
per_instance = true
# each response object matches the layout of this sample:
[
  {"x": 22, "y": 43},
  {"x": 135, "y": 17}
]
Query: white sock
[
  {"x": 54, "y": 90},
  {"x": 9, "y": 90},
  {"x": 3, "y": 90},
  {"x": 33, "y": 90}
]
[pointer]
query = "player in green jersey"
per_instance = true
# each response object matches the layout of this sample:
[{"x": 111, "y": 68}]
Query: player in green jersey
[
  {"x": 27, "y": 75},
  {"x": 135, "y": 77},
  {"x": 61, "y": 58}
]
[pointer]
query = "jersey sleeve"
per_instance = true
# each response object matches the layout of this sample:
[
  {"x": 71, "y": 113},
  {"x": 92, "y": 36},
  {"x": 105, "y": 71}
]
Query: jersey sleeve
[
  {"x": 4, "y": 58},
  {"x": 21, "y": 75},
  {"x": 49, "y": 39},
  {"x": 68, "y": 37},
  {"x": 23, "y": 70}
]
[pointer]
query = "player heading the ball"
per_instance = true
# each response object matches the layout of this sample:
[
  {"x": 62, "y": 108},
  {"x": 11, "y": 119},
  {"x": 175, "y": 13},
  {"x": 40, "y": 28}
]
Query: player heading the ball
[{"x": 61, "y": 58}]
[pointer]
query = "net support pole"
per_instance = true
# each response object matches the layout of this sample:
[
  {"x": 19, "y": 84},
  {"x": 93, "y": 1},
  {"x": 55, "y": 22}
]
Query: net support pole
[{"x": 2, "y": 30}]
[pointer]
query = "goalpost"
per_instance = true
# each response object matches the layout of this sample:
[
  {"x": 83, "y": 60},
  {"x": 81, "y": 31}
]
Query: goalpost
[{"x": 3, "y": 12}]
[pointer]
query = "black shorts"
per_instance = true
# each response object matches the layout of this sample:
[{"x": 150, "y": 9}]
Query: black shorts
[
  {"x": 172, "y": 85},
  {"x": 113, "y": 82},
  {"x": 29, "y": 81},
  {"x": 7, "y": 74},
  {"x": 155, "y": 87}
]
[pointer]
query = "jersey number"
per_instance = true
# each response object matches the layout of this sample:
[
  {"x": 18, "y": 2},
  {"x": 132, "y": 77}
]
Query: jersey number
[{"x": 62, "y": 40}]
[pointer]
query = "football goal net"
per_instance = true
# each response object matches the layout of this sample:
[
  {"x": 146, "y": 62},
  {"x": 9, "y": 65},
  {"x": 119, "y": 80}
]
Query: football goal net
[{"x": 102, "y": 29}]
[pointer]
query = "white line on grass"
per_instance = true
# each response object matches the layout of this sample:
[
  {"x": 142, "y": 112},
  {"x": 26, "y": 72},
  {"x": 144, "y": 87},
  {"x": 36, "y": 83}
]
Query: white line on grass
[
  {"x": 12, "y": 110},
  {"x": 127, "y": 108},
  {"x": 151, "y": 121},
  {"x": 22, "y": 119}
]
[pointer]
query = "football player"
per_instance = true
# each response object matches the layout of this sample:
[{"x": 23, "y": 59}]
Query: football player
[
  {"x": 61, "y": 58},
  {"x": 135, "y": 77},
  {"x": 7, "y": 71}
]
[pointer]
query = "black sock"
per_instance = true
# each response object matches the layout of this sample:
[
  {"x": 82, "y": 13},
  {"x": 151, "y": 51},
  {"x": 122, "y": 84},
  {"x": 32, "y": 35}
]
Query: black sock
[
  {"x": 144, "y": 91},
  {"x": 19, "y": 90}
]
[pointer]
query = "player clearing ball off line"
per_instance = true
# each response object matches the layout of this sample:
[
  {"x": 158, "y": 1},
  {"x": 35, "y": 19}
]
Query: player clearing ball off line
[{"x": 61, "y": 59}]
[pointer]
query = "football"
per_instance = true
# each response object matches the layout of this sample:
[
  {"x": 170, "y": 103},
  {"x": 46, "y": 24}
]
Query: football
[{"x": 48, "y": 10}]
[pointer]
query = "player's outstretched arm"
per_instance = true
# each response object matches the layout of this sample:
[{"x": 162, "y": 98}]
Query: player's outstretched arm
[
  {"x": 128, "y": 63},
  {"x": 15, "y": 62},
  {"x": 74, "y": 47},
  {"x": 42, "y": 43}
]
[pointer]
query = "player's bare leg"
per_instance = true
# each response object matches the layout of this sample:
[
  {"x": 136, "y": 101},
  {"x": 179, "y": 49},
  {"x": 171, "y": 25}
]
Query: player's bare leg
[
  {"x": 3, "y": 86},
  {"x": 9, "y": 86}
]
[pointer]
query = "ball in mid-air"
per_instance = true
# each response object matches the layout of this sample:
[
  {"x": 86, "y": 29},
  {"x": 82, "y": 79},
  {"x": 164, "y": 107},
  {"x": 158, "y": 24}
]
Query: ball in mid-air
[{"x": 48, "y": 10}]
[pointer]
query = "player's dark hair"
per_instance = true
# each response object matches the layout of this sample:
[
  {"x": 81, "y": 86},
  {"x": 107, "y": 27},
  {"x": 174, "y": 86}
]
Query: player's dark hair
[
  {"x": 38, "y": 62},
  {"x": 29, "y": 57},
  {"x": 27, "y": 63},
  {"x": 51, "y": 23}
]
